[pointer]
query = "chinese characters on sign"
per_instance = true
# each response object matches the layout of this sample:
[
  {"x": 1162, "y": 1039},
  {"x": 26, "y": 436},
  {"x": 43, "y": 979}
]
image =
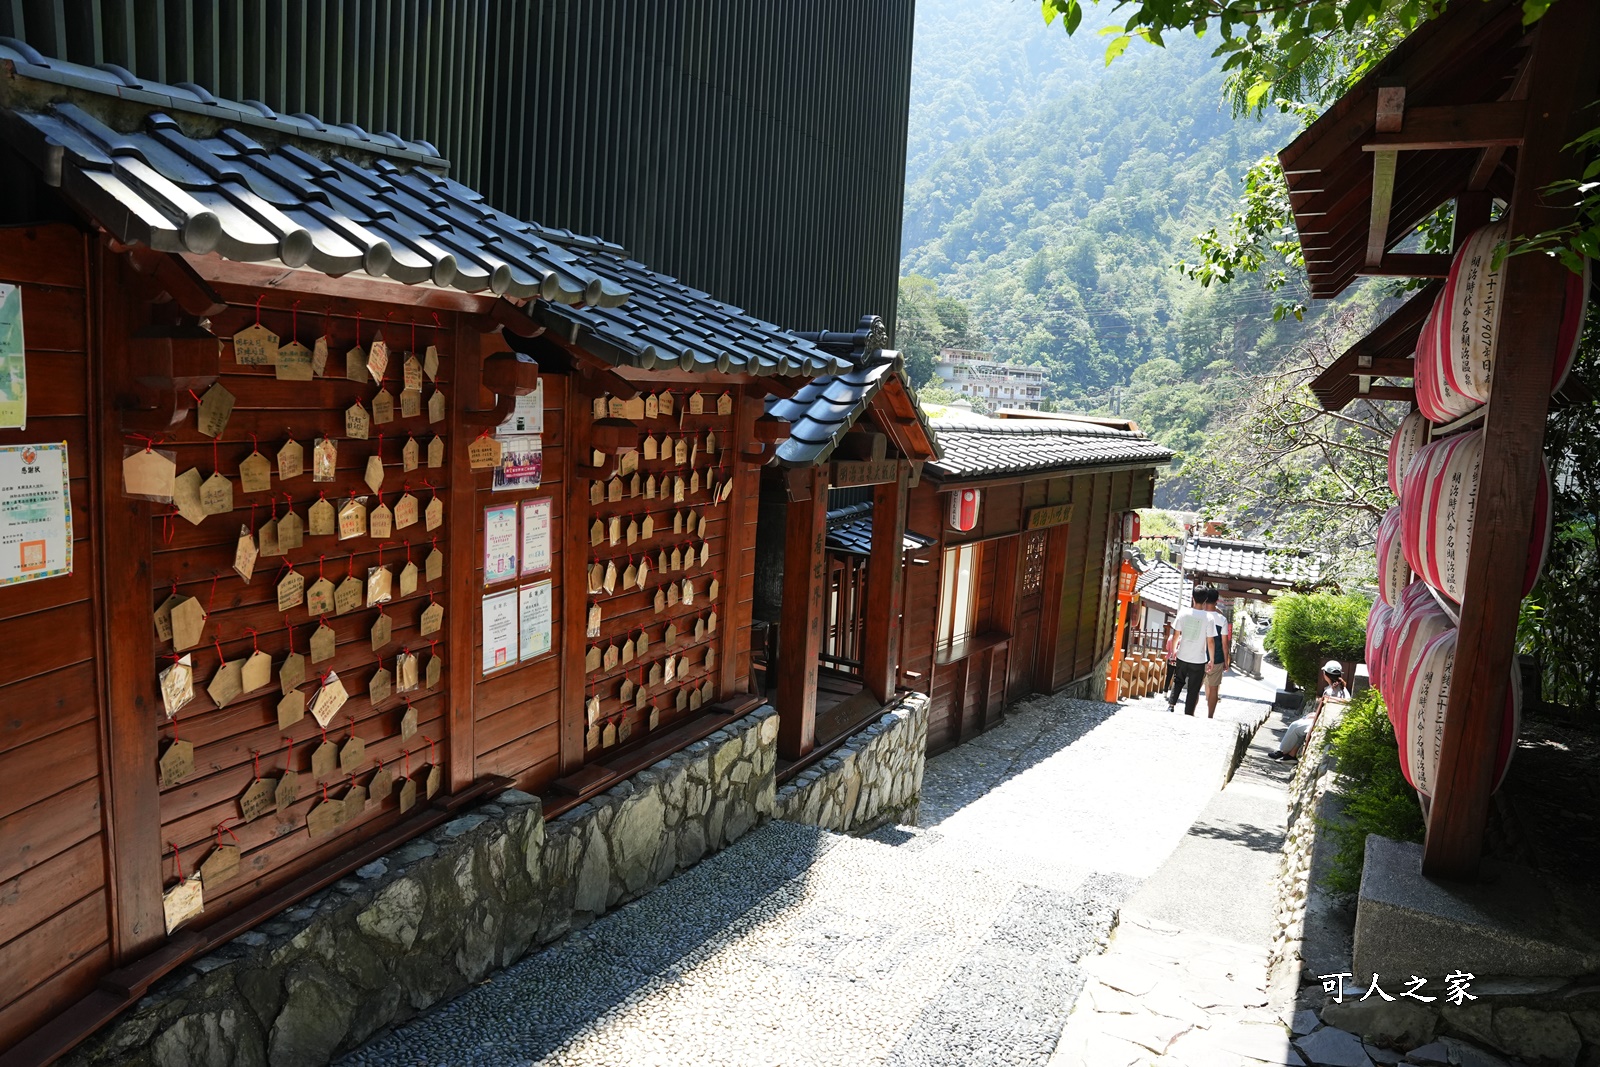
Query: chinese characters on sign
[
  {"x": 534, "y": 609},
  {"x": 13, "y": 361},
  {"x": 499, "y": 631},
  {"x": 35, "y": 513},
  {"x": 1455, "y": 988},
  {"x": 499, "y": 544},
  {"x": 536, "y": 536}
]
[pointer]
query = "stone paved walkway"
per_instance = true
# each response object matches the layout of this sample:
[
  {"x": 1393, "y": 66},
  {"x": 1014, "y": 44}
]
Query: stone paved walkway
[{"x": 960, "y": 942}]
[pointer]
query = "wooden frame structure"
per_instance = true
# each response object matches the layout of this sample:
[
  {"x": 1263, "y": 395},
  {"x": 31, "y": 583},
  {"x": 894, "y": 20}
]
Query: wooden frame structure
[
  {"x": 1474, "y": 108},
  {"x": 131, "y": 318}
]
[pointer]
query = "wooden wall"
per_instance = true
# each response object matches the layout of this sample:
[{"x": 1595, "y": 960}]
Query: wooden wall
[
  {"x": 1075, "y": 627},
  {"x": 54, "y": 894}
]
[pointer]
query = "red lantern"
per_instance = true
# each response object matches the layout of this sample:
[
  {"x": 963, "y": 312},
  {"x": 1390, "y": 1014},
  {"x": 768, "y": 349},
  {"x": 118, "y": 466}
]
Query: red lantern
[
  {"x": 964, "y": 509},
  {"x": 1421, "y": 726}
]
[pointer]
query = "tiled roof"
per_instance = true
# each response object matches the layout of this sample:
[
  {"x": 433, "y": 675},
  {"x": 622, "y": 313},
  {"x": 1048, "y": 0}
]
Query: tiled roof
[
  {"x": 850, "y": 530},
  {"x": 668, "y": 325},
  {"x": 977, "y": 447},
  {"x": 174, "y": 168},
  {"x": 1163, "y": 584},
  {"x": 821, "y": 412},
  {"x": 185, "y": 172},
  {"x": 1218, "y": 559}
]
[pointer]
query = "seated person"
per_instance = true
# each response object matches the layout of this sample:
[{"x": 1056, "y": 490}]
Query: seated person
[{"x": 1334, "y": 694}]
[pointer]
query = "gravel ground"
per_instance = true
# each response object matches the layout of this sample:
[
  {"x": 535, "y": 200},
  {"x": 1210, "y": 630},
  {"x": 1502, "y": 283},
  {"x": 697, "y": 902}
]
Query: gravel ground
[{"x": 956, "y": 943}]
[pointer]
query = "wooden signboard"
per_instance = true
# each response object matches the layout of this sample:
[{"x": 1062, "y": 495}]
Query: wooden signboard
[
  {"x": 1050, "y": 515},
  {"x": 864, "y": 472}
]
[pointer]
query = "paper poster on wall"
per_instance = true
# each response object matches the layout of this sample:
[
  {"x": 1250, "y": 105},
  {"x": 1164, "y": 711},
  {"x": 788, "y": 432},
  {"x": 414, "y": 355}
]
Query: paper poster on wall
[
  {"x": 536, "y": 536},
  {"x": 533, "y": 603},
  {"x": 527, "y": 415},
  {"x": 13, "y": 361},
  {"x": 499, "y": 544},
  {"x": 35, "y": 513},
  {"x": 499, "y": 631},
  {"x": 521, "y": 463}
]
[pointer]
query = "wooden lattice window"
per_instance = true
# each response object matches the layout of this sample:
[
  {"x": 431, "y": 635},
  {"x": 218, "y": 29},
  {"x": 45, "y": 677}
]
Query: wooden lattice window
[{"x": 1033, "y": 563}]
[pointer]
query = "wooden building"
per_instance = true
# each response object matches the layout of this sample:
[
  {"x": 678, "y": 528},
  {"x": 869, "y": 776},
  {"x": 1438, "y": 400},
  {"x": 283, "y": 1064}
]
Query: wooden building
[
  {"x": 1474, "y": 110},
  {"x": 1015, "y": 592},
  {"x": 856, "y": 442},
  {"x": 371, "y": 500}
]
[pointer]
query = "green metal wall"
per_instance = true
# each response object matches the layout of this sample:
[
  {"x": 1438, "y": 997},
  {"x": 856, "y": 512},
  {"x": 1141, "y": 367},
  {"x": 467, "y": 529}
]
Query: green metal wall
[{"x": 754, "y": 149}]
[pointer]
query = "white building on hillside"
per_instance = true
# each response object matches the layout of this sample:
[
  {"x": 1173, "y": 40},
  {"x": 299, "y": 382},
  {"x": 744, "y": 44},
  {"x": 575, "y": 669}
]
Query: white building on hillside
[{"x": 999, "y": 385}]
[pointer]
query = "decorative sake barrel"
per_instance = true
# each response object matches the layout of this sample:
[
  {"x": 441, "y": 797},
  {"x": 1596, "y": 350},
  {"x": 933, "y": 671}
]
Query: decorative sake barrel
[
  {"x": 1409, "y": 436},
  {"x": 1378, "y": 625},
  {"x": 1438, "y": 514},
  {"x": 1427, "y": 696},
  {"x": 1457, "y": 347},
  {"x": 1393, "y": 570},
  {"x": 1418, "y": 620}
]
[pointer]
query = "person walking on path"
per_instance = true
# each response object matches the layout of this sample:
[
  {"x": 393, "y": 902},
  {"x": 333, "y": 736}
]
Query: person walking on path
[
  {"x": 1221, "y": 652},
  {"x": 1188, "y": 650},
  {"x": 1333, "y": 700}
]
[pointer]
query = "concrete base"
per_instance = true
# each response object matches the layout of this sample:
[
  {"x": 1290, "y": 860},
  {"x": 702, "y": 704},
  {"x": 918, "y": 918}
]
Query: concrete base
[
  {"x": 1510, "y": 924},
  {"x": 1293, "y": 699}
]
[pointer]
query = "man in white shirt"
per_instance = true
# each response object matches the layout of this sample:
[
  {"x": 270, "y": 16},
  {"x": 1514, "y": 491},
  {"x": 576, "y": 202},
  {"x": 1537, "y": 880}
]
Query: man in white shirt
[
  {"x": 1221, "y": 651},
  {"x": 1188, "y": 650}
]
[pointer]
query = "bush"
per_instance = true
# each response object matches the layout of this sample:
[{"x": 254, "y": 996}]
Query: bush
[
  {"x": 1377, "y": 798},
  {"x": 1308, "y": 629}
]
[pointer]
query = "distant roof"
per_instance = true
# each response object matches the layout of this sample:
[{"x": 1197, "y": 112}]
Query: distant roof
[
  {"x": 1220, "y": 560},
  {"x": 850, "y": 530},
  {"x": 979, "y": 447},
  {"x": 173, "y": 168},
  {"x": 822, "y": 411},
  {"x": 1163, "y": 584}
]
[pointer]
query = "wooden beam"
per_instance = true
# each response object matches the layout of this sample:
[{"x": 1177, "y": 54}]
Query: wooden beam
[
  {"x": 462, "y": 588},
  {"x": 1384, "y": 367},
  {"x": 800, "y": 625},
  {"x": 1406, "y": 264},
  {"x": 1459, "y": 126},
  {"x": 1391, "y": 108},
  {"x": 1383, "y": 165},
  {"x": 740, "y": 535},
  {"x": 1403, "y": 393},
  {"x": 880, "y": 657},
  {"x": 1563, "y": 77}
]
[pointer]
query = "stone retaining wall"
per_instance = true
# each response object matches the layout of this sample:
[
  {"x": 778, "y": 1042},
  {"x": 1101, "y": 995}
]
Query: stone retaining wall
[
  {"x": 443, "y": 911},
  {"x": 873, "y": 779},
  {"x": 1304, "y": 908}
]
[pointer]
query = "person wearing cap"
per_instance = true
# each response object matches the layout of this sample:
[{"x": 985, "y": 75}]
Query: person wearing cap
[
  {"x": 1187, "y": 652},
  {"x": 1334, "y": 694}
]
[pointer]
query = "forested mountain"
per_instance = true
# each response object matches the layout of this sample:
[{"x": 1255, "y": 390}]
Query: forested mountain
[{"x": 1053, "y": 195}]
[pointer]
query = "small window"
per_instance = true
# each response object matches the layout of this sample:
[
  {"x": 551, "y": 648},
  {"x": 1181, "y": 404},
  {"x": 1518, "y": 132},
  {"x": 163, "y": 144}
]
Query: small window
[{"x": 958, "y": 597}]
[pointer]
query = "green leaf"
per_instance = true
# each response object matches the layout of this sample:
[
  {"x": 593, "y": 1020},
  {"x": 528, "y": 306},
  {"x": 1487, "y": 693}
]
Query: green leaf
[{"x": 1118, "y": 45}]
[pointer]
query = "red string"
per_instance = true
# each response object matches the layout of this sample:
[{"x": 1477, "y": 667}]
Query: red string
[
  {"x": 258, "y": 308},
  {"x": 224, "y": 828},
  {"x": 288, "y": 759},
  {"x": 290, "y": 629},
  {"x": 256, "y": 645},
  {"x": 408, "y": 759},
  {"x": 413, "y": 336},
  {"x": 167, "y": 525},
  {"x": 437, "y": 325},
  {"x": 255, "y": 759},
  {"x": 350, "y": 566},
  {"x": 216, "y": 462},
  {"x": 175, "y": 737},
  {"x": 431, "y": 759},
  {"x": 177, "y": 859},
  {"x": 320, "y": 561},
  {"x": 324, "y": 792},
  {"x": 294, "y": 328}
]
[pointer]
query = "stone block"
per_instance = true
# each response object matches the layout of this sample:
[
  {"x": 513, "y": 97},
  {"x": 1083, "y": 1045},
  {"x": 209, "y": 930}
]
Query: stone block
[
  {"x": 1507, "y": 925},
  {"x": 1393, "y": 1024},
  {"x": 395, "y": 915},
  {"x": 1541, "y": 1038},
  {"x": 1333, "y": 1047},
  {"x": 315, "y": 1017}
]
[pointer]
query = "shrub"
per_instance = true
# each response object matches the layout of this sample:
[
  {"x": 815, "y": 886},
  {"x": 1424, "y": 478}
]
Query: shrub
[
  {"x": 1308, "y": 629},
  {"x": 1377, "y": 798}
]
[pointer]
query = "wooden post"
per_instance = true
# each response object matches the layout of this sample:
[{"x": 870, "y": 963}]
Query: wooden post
[
  {"x": 133, "y": 800},
  {"x": 1562, "y": 79},
  {"x": 800, "y": 627},
  {"x": 463, "y": 589},
  {"x": 735, "y": 629},
  {"x": 880, "y": 656},
  {"x": 574, "y": 585}
]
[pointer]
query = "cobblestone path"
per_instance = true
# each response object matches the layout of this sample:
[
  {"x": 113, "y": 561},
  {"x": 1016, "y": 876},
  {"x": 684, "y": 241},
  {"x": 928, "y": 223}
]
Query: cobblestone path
[{"x": 959, "y": 942}]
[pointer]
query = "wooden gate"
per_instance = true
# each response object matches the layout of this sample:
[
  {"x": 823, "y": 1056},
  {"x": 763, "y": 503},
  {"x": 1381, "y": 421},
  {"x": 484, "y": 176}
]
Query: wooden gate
[{"x": 1026, "y": 621}]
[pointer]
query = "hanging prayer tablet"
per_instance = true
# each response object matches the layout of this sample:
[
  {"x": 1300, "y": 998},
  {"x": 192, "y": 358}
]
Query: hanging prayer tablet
[
  {"x": 650, "y": 487},
  {"x": 652, "y": 407},
  {"x": 148, "y": 473},
  {"x": 434, "y": 565},
  {"x": 432, "y": 616},
  {"x": 408, "y": 796},
  {"x": 409, "y": 455},
  {"x": 408, "y": 723},
  {"x": 597, "y": 574},
  {"x": 591, "y": 659},
  {"x": 255, "y": 346},
  {"x": 354, "y": 800},
  {"x": 216, "y": 494},
  {"x": 660, "y": 601},
  {"x": 680, "y": 452},
  {"x": 355, "y": 365},
  {"x": 267, "y": 538},
  {"x": 383, "y": 408},
  {"x": 294, "y": 363},
  {"x": 630, "y": 577},
  {"x": 292, "y": 672},
  {"x": 183, "y": 901},
  {"x": 711, "y": 619},
  {"x": 634, "y": 486},
  {"x": 609, "y": 582},
  {"x": 435, "y": 780},
  {"x": 176, "y": 763},
  {"x": 677, "y": 522},
  {"x": 329, "y": 699},
  {"x": 163, "y": 617},
  {"x": 381, "y": 786},
  {"x": 592, "y": 629},
  {"x": 725, "y": 404},
  {"x": 324, "y": 459},
  {"x": 257, "y": 800},
  {"x": 377, "y": 357},
  {"x": 411, "y": 372},
  {"x": 288, "y": 791},
  {"x": 642, "y": 642},
  {"x": 644, "y": 572},
  {"x": 608, "y": 735},
  {"x": 352, "y": 519},
  {"x": 433, "y": 516},
  {"x": 436, "y": 406},
  {"x": 694, "y": 482},
  {"x": 655, "y": 673},
  {"x": 611, "y": 658},
  {"x": 319, "y": 356},
  {"x": 244, "y": 554},
  {"x": 681, "y": 701},
  {"x": 256, "y": 672},
  {"x": 255, "y": 473},
  {"x": 380, "y": 524},
  {"x": 357, "y": 423},
  {"x": 629, "y": 463},
  {"x": 633, "y": 408},
  {"x": 408, "y": 579},
  {"x": 430, "y": 362},
  {"x": 632, "y": 533},
  {"x": 322, "y": 644},
  {"x": 215, "y": 408},
  {"x": 647, "y": 529},
  {"x": 699, "y": 629},
  {"x": 324, "y": 758},
  {"x": 177, "y": 686},
  {"x": 711, "y": 657},
  {"x": 188, "y": 623},
  {"x": 672, "y": 595},
  {"x": 652, "y": 449},
  {"x": 678, "y": 489},
  {"x": 697, "y": 404},
  {"x": 436, "y": 452},
  {"x": 433, "y": 673},
  {"x": 625, "y": 694},
  {"x": 655, "y": 713},
  {"x": 374, "y": 475},
  {"x": 319, "y": 598},
  {"x": 597, "y": 532},
  {"x": 352, "y": 754},
  {"x": 614, "y": 489},
  {"x": 671, "y": 635},
  {"x": 614, "y": 530},
  {"x": 325, "y": 818},
  {"x": 291, "y": 709},
  {"x": 186, "y": 496},
  {"x": 405, "y": 512},
  {"x": 291, "y": 532},
  {"x": 380, "y": 687},
  {"x": 664, "y": 402}
]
